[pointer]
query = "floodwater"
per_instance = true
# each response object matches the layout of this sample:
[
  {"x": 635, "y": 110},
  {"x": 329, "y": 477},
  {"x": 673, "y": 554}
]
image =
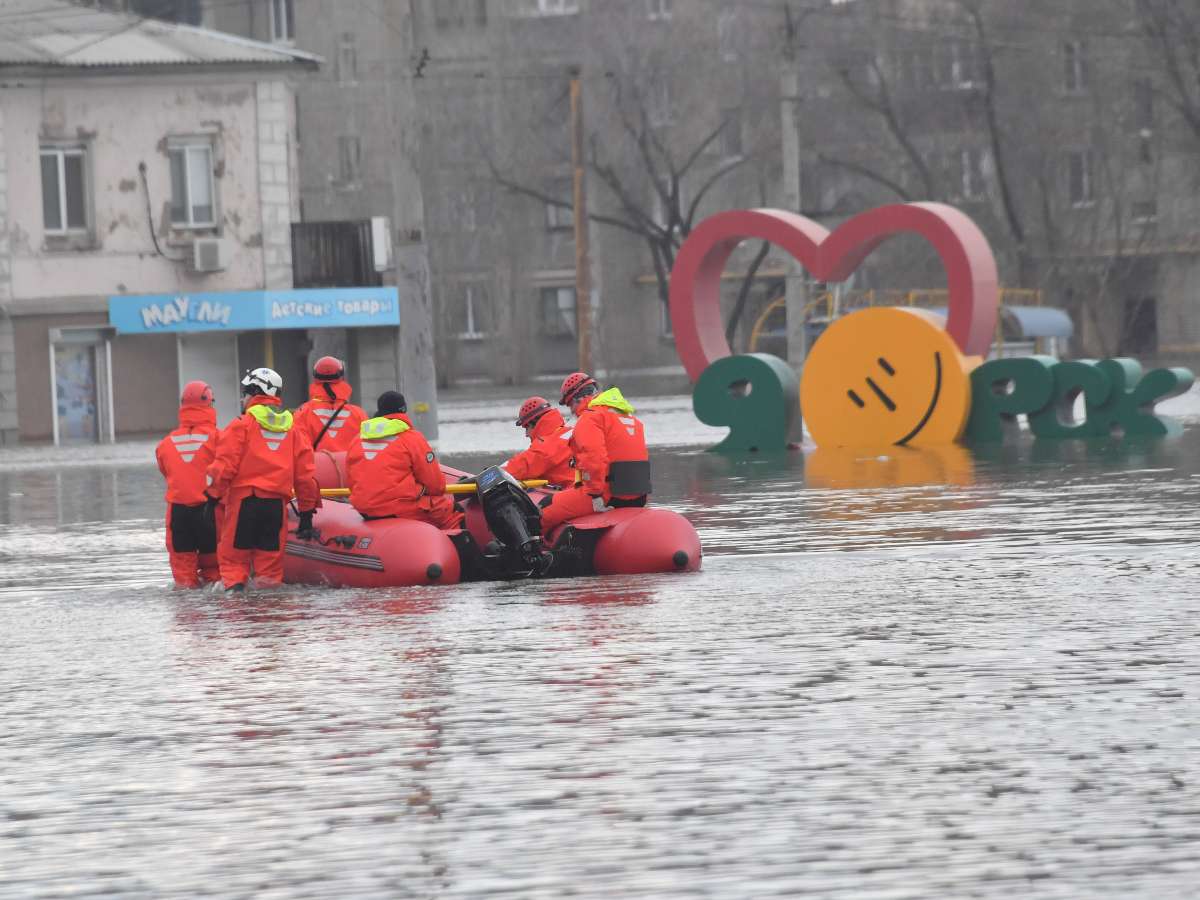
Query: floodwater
[{"x": 904, "y": 675}]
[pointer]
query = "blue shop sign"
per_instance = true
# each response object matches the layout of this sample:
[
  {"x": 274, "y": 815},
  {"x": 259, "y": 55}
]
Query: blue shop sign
[{"x": 255, "y": 310}]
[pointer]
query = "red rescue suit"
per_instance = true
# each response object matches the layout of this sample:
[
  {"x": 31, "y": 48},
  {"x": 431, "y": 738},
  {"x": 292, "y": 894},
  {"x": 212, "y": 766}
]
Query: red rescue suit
[
  {"x": 261, "y": 460},
  {"x": 183, "y": 457},
  {"x": 611, "y": 461},
  {"x": 393, "y": 472},
  {"x": 549, "y": 453},
  {"x": 342, "y": 417}
]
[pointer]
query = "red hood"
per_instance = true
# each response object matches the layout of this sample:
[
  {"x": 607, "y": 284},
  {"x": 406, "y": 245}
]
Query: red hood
[
  {"x": 262, "y": 400},
  {"x": 547, "y": 424},
  {"x": 401, "y": 416},
  {"x": 341, "y": 391},
  {"x": 190, "y": 416}
]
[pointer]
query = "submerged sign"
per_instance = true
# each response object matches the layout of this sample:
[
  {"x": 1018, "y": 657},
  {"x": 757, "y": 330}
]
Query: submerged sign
[{"x": 255, "y": 310}]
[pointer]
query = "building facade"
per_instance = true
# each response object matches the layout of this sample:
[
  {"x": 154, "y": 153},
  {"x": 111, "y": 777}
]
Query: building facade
[{"x": 159, "y": 159}]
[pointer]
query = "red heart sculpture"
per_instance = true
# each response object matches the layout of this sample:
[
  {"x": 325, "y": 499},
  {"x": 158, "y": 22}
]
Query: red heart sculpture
[{"x": 696, "y": 279}]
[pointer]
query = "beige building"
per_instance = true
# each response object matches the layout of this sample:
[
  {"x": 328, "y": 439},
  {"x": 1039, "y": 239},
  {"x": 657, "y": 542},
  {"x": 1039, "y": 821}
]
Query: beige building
[{"x": 137, "y": 157}]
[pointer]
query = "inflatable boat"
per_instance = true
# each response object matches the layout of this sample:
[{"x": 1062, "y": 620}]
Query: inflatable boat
[{"x": 502, "y": 540}]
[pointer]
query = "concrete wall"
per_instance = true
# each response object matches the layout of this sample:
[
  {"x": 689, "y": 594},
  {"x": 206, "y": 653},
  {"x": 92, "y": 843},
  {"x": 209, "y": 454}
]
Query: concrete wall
[{"x": 125, "y": 122}]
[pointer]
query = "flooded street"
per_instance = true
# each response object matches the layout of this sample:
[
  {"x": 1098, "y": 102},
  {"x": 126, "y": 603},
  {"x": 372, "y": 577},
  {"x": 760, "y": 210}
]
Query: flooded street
[{"x": 928, "y": 673}]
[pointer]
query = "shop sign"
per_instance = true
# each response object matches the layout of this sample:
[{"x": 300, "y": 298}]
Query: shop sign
[{"x": 254, "y": 310}]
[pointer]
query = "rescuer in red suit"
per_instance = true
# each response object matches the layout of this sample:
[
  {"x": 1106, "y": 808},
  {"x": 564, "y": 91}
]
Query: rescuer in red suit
[
  {"x": 549, "y": 452},
  {"x": 393, "y": 472},
  {"x": 612, "y": 464},
  {"x": 262, "y": 458},
  {"x": 183, "y": 457},
  {"x": 329, "y": 420}
]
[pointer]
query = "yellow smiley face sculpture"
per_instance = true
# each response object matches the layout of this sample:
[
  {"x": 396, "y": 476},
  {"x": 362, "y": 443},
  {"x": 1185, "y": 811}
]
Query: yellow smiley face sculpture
[{"x": 886, "y": 375}]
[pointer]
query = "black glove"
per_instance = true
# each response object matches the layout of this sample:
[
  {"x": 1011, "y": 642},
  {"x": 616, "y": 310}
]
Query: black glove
[
  {"x": 465, "y": 478},
  {"x": 304, "y": 530}
]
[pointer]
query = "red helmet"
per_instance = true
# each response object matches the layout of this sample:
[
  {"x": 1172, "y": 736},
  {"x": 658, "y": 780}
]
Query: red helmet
[
  {"x": 577, "y": 385},
  {"x": 329, "y": 368},
  {"x": 196, "y": 393},
  {"x": 532, "y": 410}
]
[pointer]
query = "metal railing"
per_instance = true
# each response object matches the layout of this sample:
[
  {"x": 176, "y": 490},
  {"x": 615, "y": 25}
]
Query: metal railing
[{"x": 829, "y": 305}]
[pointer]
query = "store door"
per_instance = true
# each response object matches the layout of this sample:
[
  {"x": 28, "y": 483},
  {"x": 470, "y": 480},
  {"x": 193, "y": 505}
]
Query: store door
[
  {"x": 80, "y": 364},
  {"x": 213, "y": 358}
]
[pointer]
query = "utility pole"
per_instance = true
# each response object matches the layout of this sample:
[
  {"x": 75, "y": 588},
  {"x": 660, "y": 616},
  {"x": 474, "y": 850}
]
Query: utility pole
[
  {"x": 796, "y": 282},
  {"x": 583, "y": 263}
]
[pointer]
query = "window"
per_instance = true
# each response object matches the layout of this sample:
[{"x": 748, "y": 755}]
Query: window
[
  {"x": 460, "y": 210},
  {"x": 972, "y": 161},
  {"x": 64, "y": 189},
  {"x": 192, "y": 194},
  {"x": 1079, "y": 178},
  {"x": 347, "y": 58},
  {"x": 731, "y": 134},
  {"x": 1143, "y": 105},
  {"x": 558, "y": 311},
  {"x": 964, "y": 65},
  {"x": 555, "y": 7},
  {"x": 561, "y": 218},
  {"x": 727, "y": 35},
  {"x": 283, "y": 20},
  {"x": 1144, "y": 212},
  {"x": 349, "y": 159},
  {"x": 472, "y": 315},
  {"x": 658, "y": 10},
  {"x": 658, "y": 100},
  {"x": 1074, "y": 67}
]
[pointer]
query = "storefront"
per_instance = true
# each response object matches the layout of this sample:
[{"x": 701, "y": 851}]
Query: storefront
[{"x": 216, "y": 337}]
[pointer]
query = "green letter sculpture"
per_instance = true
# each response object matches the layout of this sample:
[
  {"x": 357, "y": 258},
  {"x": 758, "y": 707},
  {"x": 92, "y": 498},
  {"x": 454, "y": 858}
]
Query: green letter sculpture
[
  {"x": 757, "y": 395},
  {"x": 1129, "y": 410},
  {"x": 1057, "y": 419},
  {"x": 1003, "y": 388}
]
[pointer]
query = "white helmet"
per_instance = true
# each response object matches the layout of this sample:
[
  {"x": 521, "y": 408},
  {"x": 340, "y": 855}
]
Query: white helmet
[{"x": 262, "y": 381}]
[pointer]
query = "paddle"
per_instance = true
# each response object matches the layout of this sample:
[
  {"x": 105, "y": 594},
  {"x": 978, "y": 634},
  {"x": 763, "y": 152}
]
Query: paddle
[{"x": 467, "y": 487}]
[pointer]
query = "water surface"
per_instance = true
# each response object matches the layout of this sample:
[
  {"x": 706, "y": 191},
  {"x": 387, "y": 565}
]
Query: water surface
[{"x": 898, "y": 675}]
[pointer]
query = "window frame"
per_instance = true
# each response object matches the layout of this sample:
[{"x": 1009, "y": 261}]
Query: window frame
[
  {"x": 555, "y": 7},
  {"x": 353, "y": 173},
  {"x": 1087, "y": 197},
  {"x": 61, "y": 152},
  {"x": 469, "y": 304},
  {"x": 287, "y": 34},
  {"x": 659, "y": 10},
  {"x": 347, "y": 52},
  {"x": 187, "y": 146},
  {"x": 572, "y": 327},
  {"x": 1075, "y": 74},
  {"x": 561, "y": 218}
]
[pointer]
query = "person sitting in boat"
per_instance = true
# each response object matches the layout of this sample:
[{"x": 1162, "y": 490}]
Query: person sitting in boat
[
  {"x": 394, "y": 473},
  {"x": 183, "y": 457},
  {"x": 261, "y": 459},
  {"x": 329, "y": 420},
  {"x": 549, "y": 453},
  {"x": 612, "y": 464}
]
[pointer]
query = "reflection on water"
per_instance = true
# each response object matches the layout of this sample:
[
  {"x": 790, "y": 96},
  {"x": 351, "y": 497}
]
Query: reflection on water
[{"x": 901, "y": 673}]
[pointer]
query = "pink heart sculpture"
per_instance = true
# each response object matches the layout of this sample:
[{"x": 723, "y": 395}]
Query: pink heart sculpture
[{"x": 830, "y": 256}]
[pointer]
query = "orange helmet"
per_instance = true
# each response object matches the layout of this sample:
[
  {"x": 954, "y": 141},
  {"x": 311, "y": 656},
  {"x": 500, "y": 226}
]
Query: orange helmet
[
  {"x": 196, "y": 393},
  {"x": 576, "y": 385},
  {"x": 329, "y": 368},
  {"x": 532, "y": 410}
]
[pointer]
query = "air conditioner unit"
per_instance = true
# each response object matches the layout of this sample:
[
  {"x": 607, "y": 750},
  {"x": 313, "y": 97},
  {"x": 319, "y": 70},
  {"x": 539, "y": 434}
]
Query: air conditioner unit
[{"x": 209, "y": 255}]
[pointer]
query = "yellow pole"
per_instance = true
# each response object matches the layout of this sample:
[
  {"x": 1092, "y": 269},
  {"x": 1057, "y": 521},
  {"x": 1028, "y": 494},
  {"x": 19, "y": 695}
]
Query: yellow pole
[{"x": 467, "y": 487}]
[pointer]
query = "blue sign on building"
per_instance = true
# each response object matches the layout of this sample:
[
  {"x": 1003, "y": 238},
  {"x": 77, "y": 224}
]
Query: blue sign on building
[{"x": 255, "y": 310}]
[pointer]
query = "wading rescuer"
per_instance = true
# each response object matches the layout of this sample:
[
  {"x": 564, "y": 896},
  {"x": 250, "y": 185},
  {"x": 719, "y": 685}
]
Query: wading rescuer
[
  {"x": 549, "y": 452},
  {"x": 183, "y": 457},
  {"x": 262, "y": 458},
  {"x": 393, "y": 472},
  {"x": 329, "y": 420},
  {"x": 612, "y": 465}
]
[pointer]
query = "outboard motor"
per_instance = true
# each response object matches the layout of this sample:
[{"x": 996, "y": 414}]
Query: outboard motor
[{"x": 515, "y": 521}]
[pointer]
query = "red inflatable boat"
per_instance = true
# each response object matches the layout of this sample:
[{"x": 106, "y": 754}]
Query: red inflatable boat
[{"x": 349, "y": 551}]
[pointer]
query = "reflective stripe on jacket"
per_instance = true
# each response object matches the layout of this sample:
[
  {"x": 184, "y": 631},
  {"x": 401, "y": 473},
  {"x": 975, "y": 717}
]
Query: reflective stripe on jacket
[
  {"x": 263, "y": 453},
  {"x": 390, "y": 466},
  {"x": 185, "y": 454},
  {"x": 344, "y": 419},
  {"x": 549, "y": 453},
  {"x": 607, "y": 431}
]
